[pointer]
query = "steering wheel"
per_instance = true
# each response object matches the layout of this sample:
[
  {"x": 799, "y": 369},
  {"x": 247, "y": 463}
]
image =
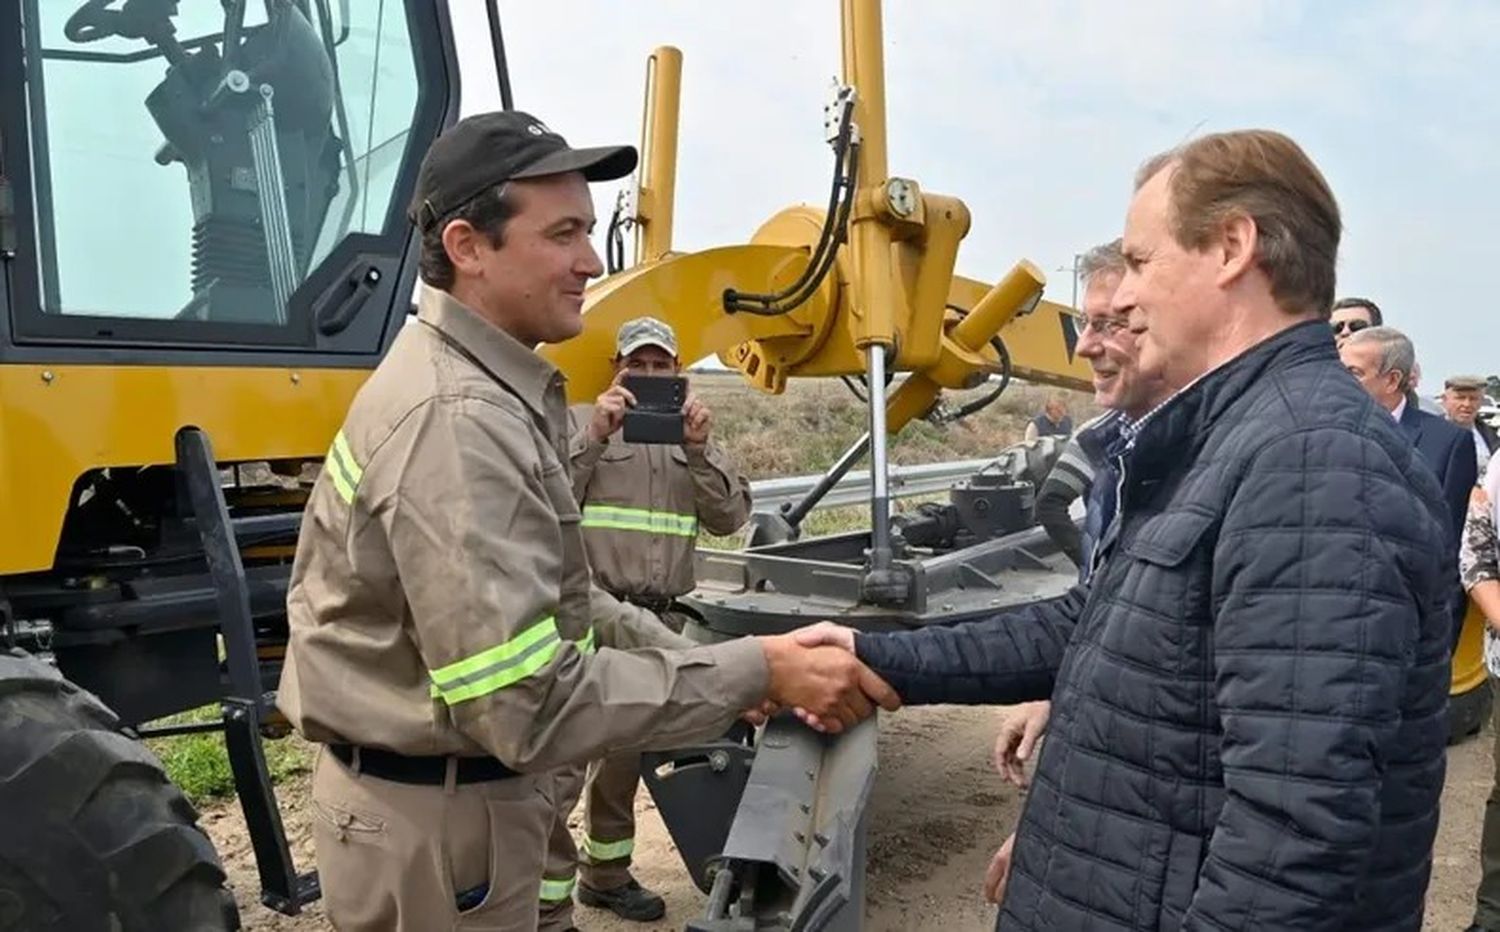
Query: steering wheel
[{"x": 137, "y": 19}]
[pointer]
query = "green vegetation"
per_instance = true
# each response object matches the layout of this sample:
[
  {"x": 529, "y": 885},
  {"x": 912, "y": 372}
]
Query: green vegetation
[
  {"x": 804, "y": 430},
  {"x": 199, "y": 765}
]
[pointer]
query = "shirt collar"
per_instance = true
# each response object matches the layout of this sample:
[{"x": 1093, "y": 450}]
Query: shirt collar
[
  {"x": 507, "y": 359},
  {"x": 1130, "y": 430},
  {"x": 1399, "y": 410}
]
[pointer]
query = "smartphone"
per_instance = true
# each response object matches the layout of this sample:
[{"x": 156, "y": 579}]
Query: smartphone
[
  {"x": 657, "y": 415},
  {"x": 471, "y": 898}
]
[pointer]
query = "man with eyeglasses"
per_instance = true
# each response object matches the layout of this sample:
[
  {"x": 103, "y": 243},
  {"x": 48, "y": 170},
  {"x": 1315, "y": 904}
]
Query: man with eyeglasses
[
  {"x": 1118, "y": 388},
  {"x": 1083, "y": 468},
  {"x": 1351, "y": 315}
]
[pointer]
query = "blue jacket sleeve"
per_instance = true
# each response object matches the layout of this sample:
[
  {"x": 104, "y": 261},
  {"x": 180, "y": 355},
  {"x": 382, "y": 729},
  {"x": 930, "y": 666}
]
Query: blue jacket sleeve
[
  {"x": 1008, "y": 658},
  {"x": 1310, "y": 676}
]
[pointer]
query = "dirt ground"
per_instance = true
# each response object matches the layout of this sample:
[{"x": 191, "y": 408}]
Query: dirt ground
[{"x": 939, "y": 813}]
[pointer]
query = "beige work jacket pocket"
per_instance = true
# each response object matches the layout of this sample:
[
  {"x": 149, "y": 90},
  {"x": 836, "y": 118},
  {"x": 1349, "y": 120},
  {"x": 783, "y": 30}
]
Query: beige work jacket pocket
[{"x": 495, "y": 835}]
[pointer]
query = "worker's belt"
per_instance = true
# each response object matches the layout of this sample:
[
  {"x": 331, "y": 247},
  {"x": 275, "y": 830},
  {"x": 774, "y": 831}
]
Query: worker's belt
[
  {"x": 427, "y": 771},
  {"x": 656, "y": 604}
]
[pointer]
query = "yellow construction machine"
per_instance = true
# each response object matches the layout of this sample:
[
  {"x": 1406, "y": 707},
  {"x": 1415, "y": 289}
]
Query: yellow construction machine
[{"x": 203, "y": 253}]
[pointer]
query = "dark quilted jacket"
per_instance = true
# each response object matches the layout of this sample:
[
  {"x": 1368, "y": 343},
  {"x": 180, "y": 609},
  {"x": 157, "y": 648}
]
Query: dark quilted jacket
[{"x": 1248, "y": 719}]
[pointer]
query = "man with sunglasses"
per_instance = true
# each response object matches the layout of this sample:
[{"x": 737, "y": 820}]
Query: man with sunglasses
[{"x": 1351, "y": 315}]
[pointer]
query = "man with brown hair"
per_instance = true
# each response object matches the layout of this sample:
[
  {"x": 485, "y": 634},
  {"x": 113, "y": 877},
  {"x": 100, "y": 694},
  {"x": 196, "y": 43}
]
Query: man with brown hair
[
  {"x": 447, "y": 648},
  {"x": 1250, "y": 693}
]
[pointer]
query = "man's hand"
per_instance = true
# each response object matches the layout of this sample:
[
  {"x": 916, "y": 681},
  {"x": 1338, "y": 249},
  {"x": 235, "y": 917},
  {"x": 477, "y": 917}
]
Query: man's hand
[
  {"x": 609, "y": 410},
  {"x": 826, "y": 683},
  {"x": 696, "y": 419},
  {"x": 822, "y": 634},
  {"x": 761, "y": 714},
  {"x": 1018, "y": 733},
  {"x": 999, "y": 871},
  {"x": 825, "y": 633}
]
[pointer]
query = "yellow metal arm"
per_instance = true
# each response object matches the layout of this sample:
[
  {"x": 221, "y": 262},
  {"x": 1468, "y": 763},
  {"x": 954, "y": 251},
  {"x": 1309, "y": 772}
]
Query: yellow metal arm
[
  {"x": 685, "y": 291},
  {"x": 658, "y": 189},
  {"x": 891, "y": 282}
]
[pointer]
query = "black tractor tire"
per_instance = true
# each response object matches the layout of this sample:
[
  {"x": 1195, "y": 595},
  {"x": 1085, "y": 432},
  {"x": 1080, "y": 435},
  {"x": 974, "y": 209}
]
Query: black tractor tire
[
  {"x": 92, "y": 833},
  {"x": 1468, "y": 711}
]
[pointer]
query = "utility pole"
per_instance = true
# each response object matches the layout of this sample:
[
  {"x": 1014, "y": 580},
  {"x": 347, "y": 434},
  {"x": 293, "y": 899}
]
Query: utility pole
[{"x": 1077, "y": 264}]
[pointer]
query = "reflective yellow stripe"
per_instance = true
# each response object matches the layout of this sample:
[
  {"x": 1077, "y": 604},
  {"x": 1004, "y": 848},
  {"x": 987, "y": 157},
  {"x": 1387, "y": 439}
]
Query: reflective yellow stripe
[
  {"x": 607, "y": 850},
  {"x": 343, "y": 469},
  {"x": 467, "y": 683},
  {"x": 555, "y": 891},
  {"x": 615, "y": 518},
  {"x": 499, "y": 666},
  {"x": 540, "y": 631},
  {"x": 341, "y": 446}
]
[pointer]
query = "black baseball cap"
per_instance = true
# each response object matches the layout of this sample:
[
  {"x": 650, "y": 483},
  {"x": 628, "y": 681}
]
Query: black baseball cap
[{"x": 490, "y": 148}]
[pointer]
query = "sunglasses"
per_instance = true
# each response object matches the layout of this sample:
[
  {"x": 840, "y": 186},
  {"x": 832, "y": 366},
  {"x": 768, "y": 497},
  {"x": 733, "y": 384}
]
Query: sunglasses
[{"x": 1353, "y": 326}]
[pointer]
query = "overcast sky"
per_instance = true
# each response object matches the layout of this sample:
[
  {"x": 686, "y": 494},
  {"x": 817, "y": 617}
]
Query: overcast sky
[{"x": 1037, "y": 115}]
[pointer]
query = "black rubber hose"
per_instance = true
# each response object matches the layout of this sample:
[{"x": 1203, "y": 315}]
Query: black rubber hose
[
  {"x": 828, "y": 238},
  {"x": 734, "y": 300},
  {"x": 841, "y": 225},
  {"x": 979, "y": 404},
  {"x": 614, "y": 243},
  {"x": 793, "y": 299}
]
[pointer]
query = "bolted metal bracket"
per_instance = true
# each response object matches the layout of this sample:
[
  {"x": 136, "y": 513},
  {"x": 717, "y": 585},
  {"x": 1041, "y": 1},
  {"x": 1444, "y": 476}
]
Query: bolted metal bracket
[{"x": 840, "y": 107}]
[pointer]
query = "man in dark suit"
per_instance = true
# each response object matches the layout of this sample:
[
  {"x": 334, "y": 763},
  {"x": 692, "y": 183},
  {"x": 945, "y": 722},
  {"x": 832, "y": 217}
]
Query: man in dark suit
[{"x": 1381, "y": 358}]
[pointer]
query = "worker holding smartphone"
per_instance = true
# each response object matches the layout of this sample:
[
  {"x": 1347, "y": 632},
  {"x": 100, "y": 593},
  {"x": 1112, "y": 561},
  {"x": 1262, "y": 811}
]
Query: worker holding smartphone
[{"x": 647, "y": 477}]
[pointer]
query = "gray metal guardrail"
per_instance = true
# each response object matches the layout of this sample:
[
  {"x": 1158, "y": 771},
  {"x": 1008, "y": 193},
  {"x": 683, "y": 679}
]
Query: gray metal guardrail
[{"x": 768, "y": 495}]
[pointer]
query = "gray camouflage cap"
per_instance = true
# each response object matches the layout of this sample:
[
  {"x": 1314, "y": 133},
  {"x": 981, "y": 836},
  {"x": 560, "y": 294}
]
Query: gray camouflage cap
[{"x": 645, "y": 331}]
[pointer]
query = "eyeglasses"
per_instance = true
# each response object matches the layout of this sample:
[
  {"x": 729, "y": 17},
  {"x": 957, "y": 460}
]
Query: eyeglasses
[
  {"x": 1353, "y": 325},
  {"x": 1105, "y": 327}
]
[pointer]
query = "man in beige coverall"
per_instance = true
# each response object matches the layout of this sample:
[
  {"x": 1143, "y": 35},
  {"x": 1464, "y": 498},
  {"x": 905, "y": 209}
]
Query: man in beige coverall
[
  {"x": 447, "y": 647},
  {"x": 642, "y": 507}
]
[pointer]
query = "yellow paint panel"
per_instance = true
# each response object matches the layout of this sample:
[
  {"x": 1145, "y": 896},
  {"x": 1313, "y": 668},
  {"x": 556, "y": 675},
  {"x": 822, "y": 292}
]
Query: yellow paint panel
[
  {"x": 1468, "y": 656},
  {"x": 59, "y": 421},
  {"x": 686, "y": 291}
]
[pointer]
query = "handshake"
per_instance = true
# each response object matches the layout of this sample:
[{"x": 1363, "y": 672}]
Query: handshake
[{"x": 814, "y": 672}]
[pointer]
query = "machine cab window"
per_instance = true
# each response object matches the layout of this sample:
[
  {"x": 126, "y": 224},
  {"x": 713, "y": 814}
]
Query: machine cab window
[{"x": 193, "y": 165}]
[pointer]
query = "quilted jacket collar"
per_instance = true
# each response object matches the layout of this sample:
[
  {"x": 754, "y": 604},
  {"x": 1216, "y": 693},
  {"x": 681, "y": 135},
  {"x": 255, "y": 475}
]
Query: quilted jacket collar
[{"x": 1176, "y": 431}]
